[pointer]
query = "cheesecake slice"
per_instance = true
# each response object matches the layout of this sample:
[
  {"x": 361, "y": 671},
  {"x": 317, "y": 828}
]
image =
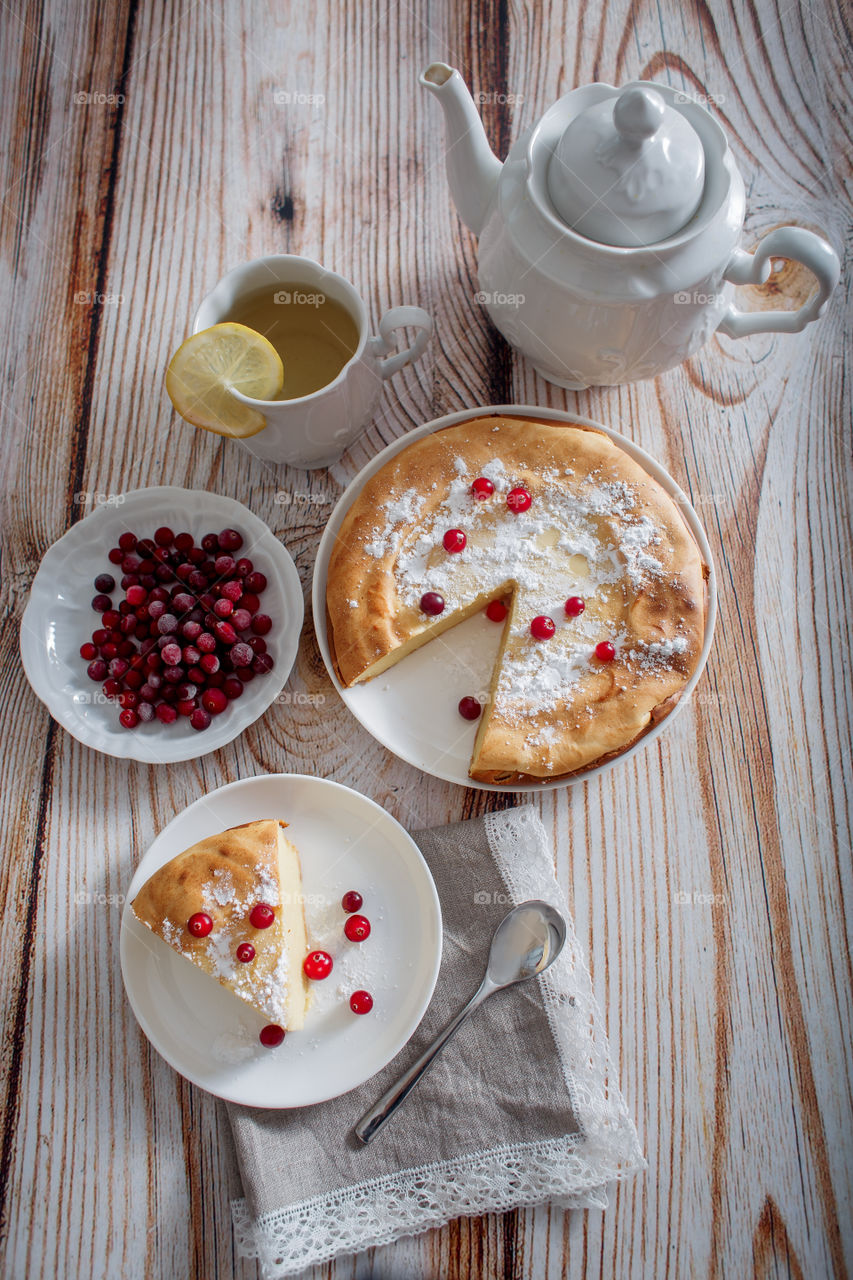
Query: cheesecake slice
[{"x": 232, "y": 904}]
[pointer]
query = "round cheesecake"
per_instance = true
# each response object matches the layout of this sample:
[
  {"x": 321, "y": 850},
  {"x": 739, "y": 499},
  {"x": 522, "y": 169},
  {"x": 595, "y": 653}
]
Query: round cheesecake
[{"x": 603, "y": 583}]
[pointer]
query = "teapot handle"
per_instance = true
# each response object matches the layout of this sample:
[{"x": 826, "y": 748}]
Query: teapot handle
[{"x": 798, "y": 245}]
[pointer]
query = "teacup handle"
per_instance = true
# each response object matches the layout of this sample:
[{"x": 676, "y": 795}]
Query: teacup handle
[
  {"x": 799, "y": 245},
  {"x": 398, "y": 318}
]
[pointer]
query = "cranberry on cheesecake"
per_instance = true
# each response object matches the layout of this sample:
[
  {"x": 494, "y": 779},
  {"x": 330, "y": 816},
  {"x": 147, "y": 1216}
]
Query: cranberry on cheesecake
[
  {"x": 232, "y": 905},
  {"x": 563, "y": 538}
]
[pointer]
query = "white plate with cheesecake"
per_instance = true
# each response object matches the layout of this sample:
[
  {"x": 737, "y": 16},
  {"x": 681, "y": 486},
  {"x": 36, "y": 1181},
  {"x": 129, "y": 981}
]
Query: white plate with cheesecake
[
  {"x": 629, "y": 622},
  {"x": 207, "y": 975}
]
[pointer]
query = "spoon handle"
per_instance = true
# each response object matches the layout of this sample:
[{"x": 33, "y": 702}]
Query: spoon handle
[{"x": 373, "y": 1120}]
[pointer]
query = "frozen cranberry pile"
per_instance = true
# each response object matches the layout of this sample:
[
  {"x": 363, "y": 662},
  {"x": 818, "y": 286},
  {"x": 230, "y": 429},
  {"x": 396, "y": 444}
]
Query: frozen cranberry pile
[{"x": 182, "y": 632}]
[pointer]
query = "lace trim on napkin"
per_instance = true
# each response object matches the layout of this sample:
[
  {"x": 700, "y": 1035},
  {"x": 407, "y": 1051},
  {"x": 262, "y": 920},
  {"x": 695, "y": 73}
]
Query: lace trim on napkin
[{"x": 573, "y": 1170}]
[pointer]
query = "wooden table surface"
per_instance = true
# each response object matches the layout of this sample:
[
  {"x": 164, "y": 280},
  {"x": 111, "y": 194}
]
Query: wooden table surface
[{"x": 146, "y": 149}]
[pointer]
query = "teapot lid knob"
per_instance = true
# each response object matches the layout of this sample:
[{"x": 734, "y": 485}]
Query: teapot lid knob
[
  {"x": 628, "y": 170},
  {"x": 638, "y": 113}
]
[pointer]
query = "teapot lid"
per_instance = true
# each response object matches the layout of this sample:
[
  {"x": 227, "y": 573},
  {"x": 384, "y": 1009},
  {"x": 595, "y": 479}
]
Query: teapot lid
[{"x": 629, "y": 170}]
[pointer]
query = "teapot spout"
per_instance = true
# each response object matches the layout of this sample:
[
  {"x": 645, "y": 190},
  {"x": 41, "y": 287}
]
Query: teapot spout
[{"x": 472, "y": 167}]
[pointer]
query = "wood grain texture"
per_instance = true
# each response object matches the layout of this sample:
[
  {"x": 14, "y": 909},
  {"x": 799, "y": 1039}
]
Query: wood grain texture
[{"x": 710, "y": 876}]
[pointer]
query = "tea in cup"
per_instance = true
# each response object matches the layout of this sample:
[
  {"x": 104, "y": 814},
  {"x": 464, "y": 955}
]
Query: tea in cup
[{"x": 333, "y": 367}]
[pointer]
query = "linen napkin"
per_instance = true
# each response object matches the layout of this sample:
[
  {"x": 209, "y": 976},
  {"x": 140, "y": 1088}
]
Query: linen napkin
[{"x": 521, "y": 1108}]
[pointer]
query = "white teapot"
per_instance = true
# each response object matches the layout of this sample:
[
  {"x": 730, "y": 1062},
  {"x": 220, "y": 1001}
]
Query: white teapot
[{"x": 608, "y": 241}]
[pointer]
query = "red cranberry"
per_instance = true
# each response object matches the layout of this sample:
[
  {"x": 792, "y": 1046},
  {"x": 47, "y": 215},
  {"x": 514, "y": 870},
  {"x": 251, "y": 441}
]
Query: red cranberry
[
  {"x": 223, "y": 608},
  {"x": 263, "y": 664},
  {"x": 317, "y": 965},
  {"x": 542, "y": 627},
  {"x": 190, "y": 655},
  {"x": 224, "y": 565},
  {"x": 518, "y": 500},
  {"x": 245, "y": 674},
  {"x": 164, "y": 536},
  {"x": 112, "y": 688},
  {"x": 271, "y": 1036},
  {"x": 574, "y": 606},
  {"x": 186, "y": 706},
  {"x": 111, "y": 618},
  {"x": 209, "y": 663},
  {"x": 432, "y": 603},
  {"x": 352, "y": 901},
  {"x": 261, "y": 916},
  {"x": 166, "y": 714},
  {"x": 100, "y": 636},
  {"x": 156, "y": 610},
  {"x": 241, "y": 619},
  {"x": 145, "y": 711},
  {"x": 195, "y": 675},
  {"x": 115, "y": 555},
  {"x": 88, "y": 651},
  {"x": 230, "y": 540},
  {"x": 224, "y": 632},
  {"x": 469, "y": 708},
  {"x": 186, "y": 692},
  {"x": 136, "y": 596},
  {"x": 243, "y": 567},
  {"x": 133, "y": 679},
  {"x": 231, "y": 591},
  {"x": 183, "y": 541},
  {"x": 454, "y": 540},
  {"x": 127, "y": 698},
  {"x": 242, "y": 654},
  {"x": 197, "y": 580},
  {"x": 200, "y": 924},
  {"x": 105, "y": 583},
  {"x": 261, "y": 624},
  {"x": 200, "y": 719},
  {"x": 127, "y": 541},
  {"x": 361, "y": 1002},
  {"x": 191, "y": 630},
  {"x": 206, "y": 642},
  {"x": 482, "y": 488},
  {"x": 183, "y": 602},
  {"x": 210, "y": 542},
  {"x": 128, "y": 718},
  {"x": 118, "y": 667},
  {"x": 109, "y": 650},
  {"x": 604, "y": 651},
  {"x": 232, "y": 687},
  {"x": 357, "y": 928},
  {"x": 257, "y": 644},
  {"x": 496, "y": 611},
  {"x": 171, "y": 654},
  {"x": 101, "y": 604},
  {"x": 256, "y": 582},
  {"x": 214, "y": 701},
  {"x": 245, "y": 952},
  {"x": 167, "y": 624}
]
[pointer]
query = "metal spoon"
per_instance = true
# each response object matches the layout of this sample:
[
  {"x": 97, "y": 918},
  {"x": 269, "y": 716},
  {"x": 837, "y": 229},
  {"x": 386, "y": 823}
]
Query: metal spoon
[{"x": 525, "y": 943}]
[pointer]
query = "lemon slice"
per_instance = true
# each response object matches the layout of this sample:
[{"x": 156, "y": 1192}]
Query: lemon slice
[{"x": 205, "y": 369}]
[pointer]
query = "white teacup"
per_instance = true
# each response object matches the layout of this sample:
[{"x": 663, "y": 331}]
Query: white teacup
[{"x": 313, "y": 431}]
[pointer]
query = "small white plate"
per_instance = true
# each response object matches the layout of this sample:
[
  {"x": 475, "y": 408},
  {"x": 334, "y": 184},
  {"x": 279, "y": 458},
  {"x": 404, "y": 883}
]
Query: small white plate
[
  {"x": 412, "y": 707},
  {"x": 345, "y": 841},
  {"x": 59, "y": 618}
]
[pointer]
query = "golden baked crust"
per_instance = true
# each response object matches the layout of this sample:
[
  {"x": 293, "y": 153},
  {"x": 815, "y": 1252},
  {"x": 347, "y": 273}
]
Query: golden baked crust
[
  {"x": 598, "y": 527},
  {"x": 226, "y": 875}
]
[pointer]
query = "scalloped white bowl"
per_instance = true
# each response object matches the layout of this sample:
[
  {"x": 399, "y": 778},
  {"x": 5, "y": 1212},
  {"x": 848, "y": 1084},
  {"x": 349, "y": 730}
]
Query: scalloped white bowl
[{"x": 58, "y": 618}]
